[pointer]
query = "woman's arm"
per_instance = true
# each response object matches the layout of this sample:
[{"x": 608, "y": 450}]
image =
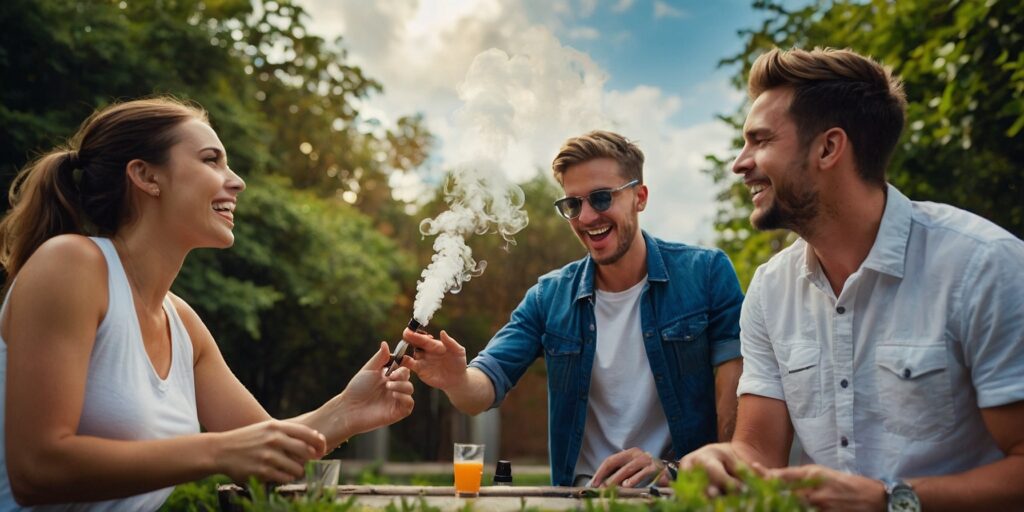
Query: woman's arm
[
  {"x": 370, "y": 400},
  {"x": 53, "y": 314}
]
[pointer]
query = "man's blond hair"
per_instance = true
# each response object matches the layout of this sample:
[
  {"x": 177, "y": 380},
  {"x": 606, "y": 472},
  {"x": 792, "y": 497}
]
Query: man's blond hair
[{"x": 600, "y": 144}]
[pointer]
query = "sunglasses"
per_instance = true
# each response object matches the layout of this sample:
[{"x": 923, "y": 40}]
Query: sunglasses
[{"x": 600, "y": 200}]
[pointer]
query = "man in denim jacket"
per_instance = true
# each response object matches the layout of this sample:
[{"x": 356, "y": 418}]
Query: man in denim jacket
[{"x": 631, "y": 334}]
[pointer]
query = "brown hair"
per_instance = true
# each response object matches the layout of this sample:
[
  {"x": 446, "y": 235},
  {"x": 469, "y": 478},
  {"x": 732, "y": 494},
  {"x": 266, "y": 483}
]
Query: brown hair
[
  {"x": 600, "y": 144},
  {"x": 839, "y": 88},
  {"x": 80, "y": 187}
]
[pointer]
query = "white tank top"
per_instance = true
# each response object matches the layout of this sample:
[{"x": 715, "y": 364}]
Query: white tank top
[{"x": 124, "y": 397}]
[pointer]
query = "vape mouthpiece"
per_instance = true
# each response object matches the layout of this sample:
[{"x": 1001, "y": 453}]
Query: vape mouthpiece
[{"x": 400, "y": 349}]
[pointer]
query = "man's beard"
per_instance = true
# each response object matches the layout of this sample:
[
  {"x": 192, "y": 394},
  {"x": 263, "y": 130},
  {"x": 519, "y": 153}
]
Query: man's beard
[
  {"x": 793, "y": 206},
  {"x": 628, "y": 232}
]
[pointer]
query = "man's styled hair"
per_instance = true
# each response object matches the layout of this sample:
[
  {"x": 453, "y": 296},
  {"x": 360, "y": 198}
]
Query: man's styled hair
[
  {"x": 839, "y": 88},
  {"x": 600, "y": 144}
]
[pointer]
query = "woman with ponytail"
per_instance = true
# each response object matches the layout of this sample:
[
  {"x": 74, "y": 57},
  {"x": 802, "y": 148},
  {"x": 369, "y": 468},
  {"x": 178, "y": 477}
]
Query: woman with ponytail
[{"x": 106, "y": 376}]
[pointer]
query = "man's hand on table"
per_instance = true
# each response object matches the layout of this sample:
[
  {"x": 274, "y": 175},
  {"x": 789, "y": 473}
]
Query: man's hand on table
[
  {"x": 831, "y": 489},
  {"x": 720, "y": 462},
  {"x": 630, "y": 468}
]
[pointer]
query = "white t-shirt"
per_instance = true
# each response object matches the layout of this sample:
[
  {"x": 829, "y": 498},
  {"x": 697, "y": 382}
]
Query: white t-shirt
[
  {"x": 623, "y": 409},
  {"x": 887, "y": 379}
]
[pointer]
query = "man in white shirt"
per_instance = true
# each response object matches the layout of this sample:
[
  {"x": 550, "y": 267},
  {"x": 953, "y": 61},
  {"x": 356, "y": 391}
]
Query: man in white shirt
[{"x": 890, "y": 338}]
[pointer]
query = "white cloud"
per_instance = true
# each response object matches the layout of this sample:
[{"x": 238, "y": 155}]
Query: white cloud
[
  {"x": 584, "y": 33},
  {"x": 622, "y": 5},
  {"x": 681, "y": 205},
  {"x": 664, "y": 10},
  {"x": 483, "y": 63}
]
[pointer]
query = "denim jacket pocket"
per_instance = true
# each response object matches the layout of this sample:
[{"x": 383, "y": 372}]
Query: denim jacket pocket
[
  {"x": 562, "y": 356},
  {"x": 800, "y": 366},
  {"x": 686, "y": 329},
  {"x": 687, "y": 340},
  {"x": 914, "y": 390}
]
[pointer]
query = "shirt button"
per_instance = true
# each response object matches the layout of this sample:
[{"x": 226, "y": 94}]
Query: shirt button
[
  {"x": 906, "y": 373},
  {"x": 844, "y": 383},
  {"x": 844, "y": 442},
  {"x": 592, "y": 327},
  {"x": 840, "y": 310}
]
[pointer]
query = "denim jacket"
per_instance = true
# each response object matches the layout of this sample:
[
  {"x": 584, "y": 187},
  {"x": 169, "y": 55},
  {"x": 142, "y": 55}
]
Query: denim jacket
[{"x": 689, "y": 315}]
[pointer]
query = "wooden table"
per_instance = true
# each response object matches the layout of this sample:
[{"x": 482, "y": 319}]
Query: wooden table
[{"x": 496, "y": 498}]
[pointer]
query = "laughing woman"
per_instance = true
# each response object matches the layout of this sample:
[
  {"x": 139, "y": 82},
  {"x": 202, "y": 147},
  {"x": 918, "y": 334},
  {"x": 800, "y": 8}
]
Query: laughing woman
[{"x": 106, "y": 376}]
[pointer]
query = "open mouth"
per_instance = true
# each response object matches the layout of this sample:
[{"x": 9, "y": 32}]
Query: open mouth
[
  {"x": 757, "y": 189},
  {"x": 598, "y": 234},
  {"x": 225, "y": 209}
]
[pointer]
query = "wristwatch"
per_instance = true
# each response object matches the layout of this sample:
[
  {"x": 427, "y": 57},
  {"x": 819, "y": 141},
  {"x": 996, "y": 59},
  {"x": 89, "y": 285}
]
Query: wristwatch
[
  {"x": 900, "y": 497},
  {"x": 672, "y": 467}
]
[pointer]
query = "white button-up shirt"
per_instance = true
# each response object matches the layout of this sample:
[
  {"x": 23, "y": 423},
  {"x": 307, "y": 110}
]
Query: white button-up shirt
[{"x": 887, "y": 379}]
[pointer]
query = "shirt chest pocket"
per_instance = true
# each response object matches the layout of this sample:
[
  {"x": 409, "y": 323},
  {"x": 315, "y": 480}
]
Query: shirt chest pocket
[
  {"x": 562, "y": 356},
  {"x": 686, "y": 339},
  {"x": 914, "y": 390},
  {"x": 800, "y": 365}
]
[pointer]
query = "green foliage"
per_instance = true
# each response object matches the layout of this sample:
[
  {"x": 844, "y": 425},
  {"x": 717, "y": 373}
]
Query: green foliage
[
  {"x": 962, "y": 64},
  {"x": 317, "y": 282},
  {"x": 690, "y": 487},
  {"x": 198, "y": 496},
  {"x": 295, "y": 303}
]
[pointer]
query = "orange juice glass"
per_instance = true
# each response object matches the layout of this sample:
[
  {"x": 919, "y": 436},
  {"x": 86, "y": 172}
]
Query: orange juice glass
[{"x": 468, "y": 468}]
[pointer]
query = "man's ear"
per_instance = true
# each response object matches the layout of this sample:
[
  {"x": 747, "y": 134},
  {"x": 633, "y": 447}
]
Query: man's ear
[
  {"x": 833, "y": 148},
  {"x": 641, "y": 197},
  {"x": 144, "y": 177}
]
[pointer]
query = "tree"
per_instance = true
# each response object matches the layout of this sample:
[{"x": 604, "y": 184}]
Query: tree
[
  {"x": 295, "y": 305},
  {"x": 963, "y": 67},
  {"x": 307, "y": 286}
]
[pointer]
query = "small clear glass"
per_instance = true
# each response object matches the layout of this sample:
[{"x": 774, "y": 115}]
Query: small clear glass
[{"x": 322, "y": 477}]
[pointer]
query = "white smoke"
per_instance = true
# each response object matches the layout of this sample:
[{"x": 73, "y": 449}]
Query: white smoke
[
  {"x": 481, "y": 201},
  {"x": 513, "y": 104}
]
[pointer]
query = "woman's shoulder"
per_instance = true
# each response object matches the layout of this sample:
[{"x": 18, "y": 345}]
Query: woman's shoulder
[
  {"x": 69, "y": 248},
  {"x": 68, "y": 260},
  {"x": 64, "y": 279}
]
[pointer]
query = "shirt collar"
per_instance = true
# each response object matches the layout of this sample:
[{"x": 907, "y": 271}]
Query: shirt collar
[
  {"x": 656, "y": 270},
  {"x": 888, "y": 253}
]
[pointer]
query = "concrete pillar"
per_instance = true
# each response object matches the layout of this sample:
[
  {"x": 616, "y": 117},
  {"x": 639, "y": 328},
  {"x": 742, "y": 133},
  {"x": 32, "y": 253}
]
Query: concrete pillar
[
  {"x": 485, "y": 428},
  {"x": 372, "y": 445}
]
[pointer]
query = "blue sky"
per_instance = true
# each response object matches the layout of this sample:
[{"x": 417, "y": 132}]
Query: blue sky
[
  {"x": 676, "y": 51},
  {"x": 536, "y": 72}
]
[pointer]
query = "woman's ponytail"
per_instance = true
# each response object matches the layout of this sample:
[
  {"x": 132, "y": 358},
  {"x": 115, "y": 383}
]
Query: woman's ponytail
[{"x": 44, "y": 203}]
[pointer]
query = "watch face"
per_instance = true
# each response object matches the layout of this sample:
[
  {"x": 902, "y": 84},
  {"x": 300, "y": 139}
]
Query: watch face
[{"x": 903, "y": 499}]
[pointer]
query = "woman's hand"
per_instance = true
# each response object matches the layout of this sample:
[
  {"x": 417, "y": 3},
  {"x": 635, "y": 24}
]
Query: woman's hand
[
  {"x": 372, "y": 400},
  {"x": 274, "y": 451}
]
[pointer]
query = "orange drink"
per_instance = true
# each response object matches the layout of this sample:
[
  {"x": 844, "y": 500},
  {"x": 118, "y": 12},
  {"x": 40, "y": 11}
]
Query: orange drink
[
  {"x": 468, "y": 468},
  {"x": 467, "y": 477}
]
